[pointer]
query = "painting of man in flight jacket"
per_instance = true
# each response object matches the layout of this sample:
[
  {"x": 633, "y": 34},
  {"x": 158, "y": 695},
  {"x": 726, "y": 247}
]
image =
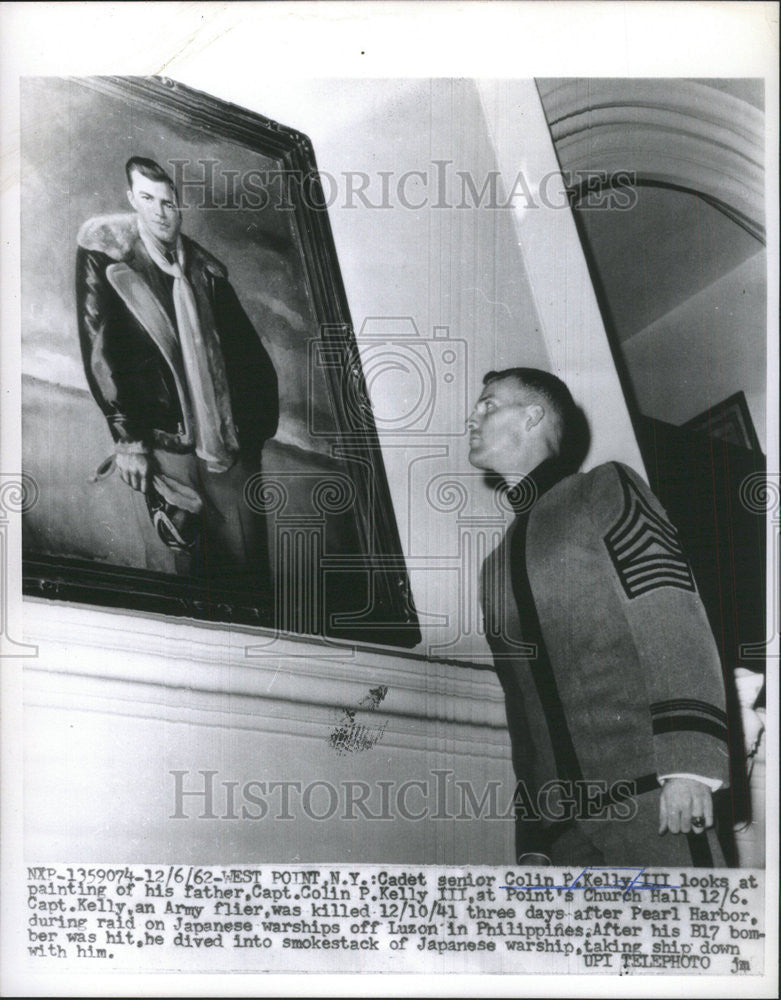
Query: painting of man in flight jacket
[
  {"x": 188, "y": 370},
  {"x": 183, "y": 380}
]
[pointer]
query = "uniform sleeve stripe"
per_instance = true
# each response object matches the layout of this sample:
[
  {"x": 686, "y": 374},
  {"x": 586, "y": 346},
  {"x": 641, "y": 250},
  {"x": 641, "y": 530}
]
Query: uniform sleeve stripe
[
  {"x": 688, "y": 705},
  {"x": 689, "y": 723}
]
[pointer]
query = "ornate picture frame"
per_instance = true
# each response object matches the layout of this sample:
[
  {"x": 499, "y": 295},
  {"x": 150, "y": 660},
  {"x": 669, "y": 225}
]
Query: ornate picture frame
[{"x": 251, "y": 197}]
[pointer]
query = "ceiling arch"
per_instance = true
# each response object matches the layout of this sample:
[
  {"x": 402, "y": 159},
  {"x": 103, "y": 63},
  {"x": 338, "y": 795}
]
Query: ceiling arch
[{"x": 681, "y": 133}]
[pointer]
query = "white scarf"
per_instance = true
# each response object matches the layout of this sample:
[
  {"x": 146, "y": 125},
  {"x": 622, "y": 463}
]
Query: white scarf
[{"x": 204, "y": 366}]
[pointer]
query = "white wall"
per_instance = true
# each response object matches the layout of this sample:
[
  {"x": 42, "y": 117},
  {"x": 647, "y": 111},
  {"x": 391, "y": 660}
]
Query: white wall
[
  {"x": 114, "y": 703},
  {"x": 571, "y": 322},
  {"x": 709, "y": 347}
]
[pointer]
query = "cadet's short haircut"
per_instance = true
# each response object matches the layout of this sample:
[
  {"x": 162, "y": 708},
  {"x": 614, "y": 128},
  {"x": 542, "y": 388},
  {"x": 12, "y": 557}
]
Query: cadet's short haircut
[
  {"x": 147, "y": 168},
  {"x": 550, "y": 389}
]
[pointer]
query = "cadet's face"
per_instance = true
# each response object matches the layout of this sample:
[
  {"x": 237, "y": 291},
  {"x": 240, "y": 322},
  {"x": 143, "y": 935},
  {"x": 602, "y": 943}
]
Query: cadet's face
[
  {"x": 496, "y": 427},
  {"x": 155, "y": 202}
]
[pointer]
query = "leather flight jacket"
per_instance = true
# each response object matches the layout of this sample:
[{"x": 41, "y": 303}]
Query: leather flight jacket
[{"x": 127, "y": 331}]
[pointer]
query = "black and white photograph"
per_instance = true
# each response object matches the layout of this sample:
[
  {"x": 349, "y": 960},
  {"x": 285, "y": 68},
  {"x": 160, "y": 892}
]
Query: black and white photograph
[{"x": 389, "y": 501}]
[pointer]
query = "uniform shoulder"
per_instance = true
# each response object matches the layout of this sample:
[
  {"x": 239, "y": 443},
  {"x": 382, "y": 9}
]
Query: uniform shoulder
[
  {"x": 202, "y": 258},
  {"x": 599, "y": 493},
  {"x": 113, "y": 235},
  {"x": 612, "y": 476},
  {"x": 615, "y": 488},
  {"x": 568, "y": 495}
]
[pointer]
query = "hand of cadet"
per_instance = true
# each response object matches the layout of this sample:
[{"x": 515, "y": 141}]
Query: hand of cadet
[
  {"x": 682, "y": 800},
  {"x": 135, "y": 470}
]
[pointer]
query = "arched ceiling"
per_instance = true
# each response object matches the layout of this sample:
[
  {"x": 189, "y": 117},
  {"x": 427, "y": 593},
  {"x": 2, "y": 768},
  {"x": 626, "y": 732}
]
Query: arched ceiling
[
  {"x": 697, "y": 150},
  {"x": 652, "y": 258},
  {"x": 683, "y": 133}
]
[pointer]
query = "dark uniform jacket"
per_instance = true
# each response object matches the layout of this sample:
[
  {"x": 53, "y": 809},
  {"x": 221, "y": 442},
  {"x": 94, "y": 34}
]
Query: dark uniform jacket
[
  {"x": 129, "y": 343},
  {"x": 600, "y": 639}
]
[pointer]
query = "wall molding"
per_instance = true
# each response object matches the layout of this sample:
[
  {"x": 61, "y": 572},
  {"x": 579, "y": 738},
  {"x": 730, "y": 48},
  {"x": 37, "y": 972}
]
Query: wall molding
[{"x": 194, "y": 673}]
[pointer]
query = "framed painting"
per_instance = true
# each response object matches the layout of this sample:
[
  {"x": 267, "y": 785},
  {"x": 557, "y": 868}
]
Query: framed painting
[{"x": 196, "y": 429}]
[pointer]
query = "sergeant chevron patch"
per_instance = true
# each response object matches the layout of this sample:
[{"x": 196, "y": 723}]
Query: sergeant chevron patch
[{"x": 644, "y": 546}]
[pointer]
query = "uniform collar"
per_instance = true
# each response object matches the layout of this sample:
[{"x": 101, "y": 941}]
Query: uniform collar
[{"x": 528, "y": 491}]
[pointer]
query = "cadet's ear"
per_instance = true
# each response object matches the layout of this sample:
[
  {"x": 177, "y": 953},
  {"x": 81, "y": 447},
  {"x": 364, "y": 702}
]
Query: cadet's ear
[
  {"x": 536, "y": 412},
  {"x": 130, "y": 198}
]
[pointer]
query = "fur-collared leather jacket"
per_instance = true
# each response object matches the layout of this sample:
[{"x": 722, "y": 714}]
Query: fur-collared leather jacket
[{"x": 127, "y": 330}]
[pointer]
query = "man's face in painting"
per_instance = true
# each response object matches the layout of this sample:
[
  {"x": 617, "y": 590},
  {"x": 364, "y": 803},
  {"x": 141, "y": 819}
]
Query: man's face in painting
[{"x": 156, "y": 204}]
